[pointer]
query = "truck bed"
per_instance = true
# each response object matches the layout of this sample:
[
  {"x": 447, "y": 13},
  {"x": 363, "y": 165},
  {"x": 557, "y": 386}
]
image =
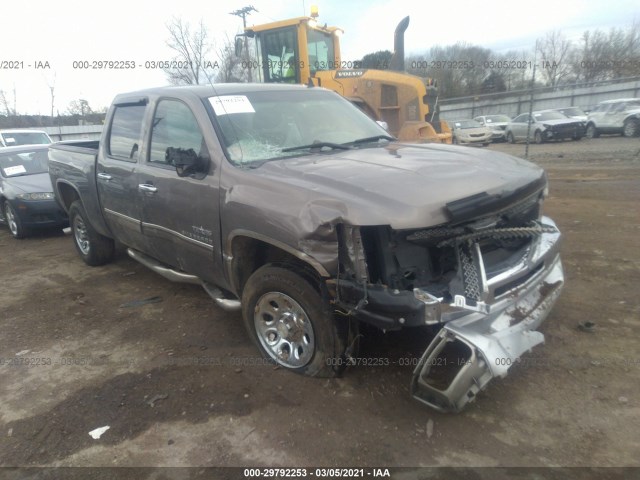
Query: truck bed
[{"x": 72, "y": 168}]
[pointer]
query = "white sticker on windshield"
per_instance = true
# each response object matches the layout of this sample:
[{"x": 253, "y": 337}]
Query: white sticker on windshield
[
  {"x": 227, "y": 104},
  {"x": 15, "y": 170},
  {"x": 10, "y": 140}
]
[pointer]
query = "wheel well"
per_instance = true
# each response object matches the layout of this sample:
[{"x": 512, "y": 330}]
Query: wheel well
[
  {"x": 68, "y": 195},
  {"x": 249, "y": 254}
]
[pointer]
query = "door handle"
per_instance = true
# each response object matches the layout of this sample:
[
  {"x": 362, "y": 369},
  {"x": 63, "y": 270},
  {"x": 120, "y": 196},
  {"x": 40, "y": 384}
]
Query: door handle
[
  {"x": 104, "y": 176},
  {"x": 144, "y": 187}
]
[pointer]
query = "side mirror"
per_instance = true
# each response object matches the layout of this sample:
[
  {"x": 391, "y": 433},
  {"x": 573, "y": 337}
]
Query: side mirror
[
  {"x": 187, "y": 162},
  {"x": 238, "y": 46}
]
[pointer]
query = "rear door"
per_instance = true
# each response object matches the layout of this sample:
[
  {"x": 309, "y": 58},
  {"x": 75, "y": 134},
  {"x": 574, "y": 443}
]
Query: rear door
[
  {"x": 117, "y": 176},
  {"x": 180, "y": 214}
]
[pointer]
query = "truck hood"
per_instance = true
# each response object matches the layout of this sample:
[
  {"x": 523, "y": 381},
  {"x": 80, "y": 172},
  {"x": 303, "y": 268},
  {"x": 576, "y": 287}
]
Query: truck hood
[{"x": 404, "y": 186}]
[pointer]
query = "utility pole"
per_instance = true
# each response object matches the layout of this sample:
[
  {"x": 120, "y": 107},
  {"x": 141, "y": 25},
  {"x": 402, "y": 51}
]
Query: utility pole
[
  {"x": 533, "y": 84},
  {"x": 243, "y": 12}
]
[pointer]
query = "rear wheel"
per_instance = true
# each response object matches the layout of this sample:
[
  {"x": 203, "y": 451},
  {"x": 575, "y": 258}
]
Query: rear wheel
[
  {"x": 592, "y": 131},
  {"x": 13, "y": 221},
  {"x": 291, "y": 323},
  {"x": 631, "y": 128},
  {"x": 95, "y": 249}
]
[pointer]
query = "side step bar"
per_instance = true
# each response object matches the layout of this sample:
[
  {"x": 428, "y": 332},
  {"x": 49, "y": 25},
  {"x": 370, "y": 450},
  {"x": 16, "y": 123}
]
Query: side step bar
[{"x": 227, "y": 304}]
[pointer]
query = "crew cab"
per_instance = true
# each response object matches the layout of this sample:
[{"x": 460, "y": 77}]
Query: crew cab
[{"x": 289, "y": 203}]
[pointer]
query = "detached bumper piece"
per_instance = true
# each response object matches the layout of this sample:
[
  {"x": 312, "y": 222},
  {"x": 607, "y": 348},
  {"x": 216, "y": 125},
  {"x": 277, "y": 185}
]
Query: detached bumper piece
[{"x": 500, "y": 327}]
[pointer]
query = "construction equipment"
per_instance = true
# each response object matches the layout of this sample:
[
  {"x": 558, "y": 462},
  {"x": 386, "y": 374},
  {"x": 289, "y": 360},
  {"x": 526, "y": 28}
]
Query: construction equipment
[{"x": 299, "y": 50}]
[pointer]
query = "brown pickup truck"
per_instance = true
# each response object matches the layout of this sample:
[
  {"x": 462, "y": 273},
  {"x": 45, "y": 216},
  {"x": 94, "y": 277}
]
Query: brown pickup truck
[{"x": 291, "y": 204}]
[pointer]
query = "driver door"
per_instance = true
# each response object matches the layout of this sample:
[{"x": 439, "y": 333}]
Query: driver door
[{"x": 180, "y": 215}]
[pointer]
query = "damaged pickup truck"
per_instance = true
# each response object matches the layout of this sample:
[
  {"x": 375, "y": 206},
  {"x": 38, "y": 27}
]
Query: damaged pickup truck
[{"x": 291, "y": 204}]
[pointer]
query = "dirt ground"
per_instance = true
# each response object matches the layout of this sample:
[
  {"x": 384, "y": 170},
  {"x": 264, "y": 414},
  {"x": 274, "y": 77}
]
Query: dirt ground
[{"x": 180, "y": 384}]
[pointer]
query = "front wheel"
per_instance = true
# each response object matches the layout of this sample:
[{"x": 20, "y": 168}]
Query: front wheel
[
  {"x": 291, "y": 323},
  {"x": 95, "y": 249},
  {"x": 592, "y": 131},
  {"x": 631, "y": 128},
  {"x": 537, "y": 137},
  {"x": 14, "y": 222},
  {"x": 510, "y": 138}
]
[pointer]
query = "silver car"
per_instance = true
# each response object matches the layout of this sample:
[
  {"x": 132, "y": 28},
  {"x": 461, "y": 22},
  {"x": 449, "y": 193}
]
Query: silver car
[
  {"x": 469, "y": 132},
  {"x": 497, "y": 124},
  {"x": 615, "y": 116},
  {"x": 543, "y": 126}
]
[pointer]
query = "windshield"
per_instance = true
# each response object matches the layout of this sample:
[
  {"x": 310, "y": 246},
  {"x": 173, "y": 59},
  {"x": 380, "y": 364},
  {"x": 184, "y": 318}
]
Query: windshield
[
  {"x": 497, "y": 119},
  {"x": 543, "y": 116},
  {"x": 12, "y": 139},
  {"x": 27, "y": 162},
  {"x": 466, "y": 124},
  {"x": 267, "y": 125},
  {"x": 573, "y": 112}
]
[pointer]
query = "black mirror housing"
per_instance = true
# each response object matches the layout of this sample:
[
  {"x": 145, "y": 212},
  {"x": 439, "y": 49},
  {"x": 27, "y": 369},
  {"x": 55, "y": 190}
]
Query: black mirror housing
[
  {"x": 187, "y": 162},
  {"x": 238, "y": 47}
]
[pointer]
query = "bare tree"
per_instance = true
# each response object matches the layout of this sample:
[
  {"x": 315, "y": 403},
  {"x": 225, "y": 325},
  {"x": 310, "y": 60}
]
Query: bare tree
[
  {"x": 190, "y": 48},
  {"x": 79, "y": 107},
  {"x": 5, "y": 106},
  {"x": 555, "y": 58}
]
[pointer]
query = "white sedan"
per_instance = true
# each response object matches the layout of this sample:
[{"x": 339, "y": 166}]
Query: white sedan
[{"x": 470, "y": 132}]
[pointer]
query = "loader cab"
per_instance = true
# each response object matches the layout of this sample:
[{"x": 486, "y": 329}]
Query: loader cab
[{"x": 291, "y": 51}]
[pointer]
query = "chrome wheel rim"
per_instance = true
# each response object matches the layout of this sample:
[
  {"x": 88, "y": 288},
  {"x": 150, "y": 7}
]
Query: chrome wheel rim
[
  {"x": 284, "y": 330},
  {"x": 80, "y": 235},
  {"x": 11, "y": 220},
  {"x": 629, "y": 129}
]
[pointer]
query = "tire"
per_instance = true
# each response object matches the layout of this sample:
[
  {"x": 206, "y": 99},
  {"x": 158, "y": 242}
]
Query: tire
[
  {"x": 592, "y": 131},
  {"x": 537, "y": 137},
  {"x": 291, "y": 322},
  {"x": 13, "y": 221},
  {"x": 95, "y": 249},
  {"x": 485, "y": 144},
  {"x": 455, "y": 140},
  {"x": 510, "y": 138},
  {"x": 631, "y": 128}
]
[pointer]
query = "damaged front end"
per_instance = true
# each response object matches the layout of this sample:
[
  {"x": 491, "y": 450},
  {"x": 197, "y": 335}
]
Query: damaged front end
[{"x": 489, "y": 280}]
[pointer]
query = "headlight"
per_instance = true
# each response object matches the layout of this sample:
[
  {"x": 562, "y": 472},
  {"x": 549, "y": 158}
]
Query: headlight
[{"x": 36, "y": 196}]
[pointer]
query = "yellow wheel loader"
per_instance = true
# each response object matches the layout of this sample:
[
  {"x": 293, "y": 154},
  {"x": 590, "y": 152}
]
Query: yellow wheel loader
[{"x": 299, "y": 50}]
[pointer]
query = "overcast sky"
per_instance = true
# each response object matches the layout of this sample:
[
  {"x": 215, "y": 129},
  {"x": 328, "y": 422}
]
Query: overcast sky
[{"x": 63, "y": 31}]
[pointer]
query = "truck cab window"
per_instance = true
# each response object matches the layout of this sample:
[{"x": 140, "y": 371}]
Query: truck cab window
[
  {"x": 321, "y": 51},
  {"x": 126, "y": 126},
  {"x": 174, "y": 126},
  {"x": 280, "y": 56}
]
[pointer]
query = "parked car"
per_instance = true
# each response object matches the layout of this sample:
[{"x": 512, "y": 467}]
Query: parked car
[
  {"x": 497, "y": 124},
  {"x": 620, "y": 116},
  {"x": 470, "y": 132},
  {"x": 546, "y": 125},
  {"x": 289, "y": 203},
  {"x": 573, "y": 112},
  {"x": 15, "y": 137},
  {"x": 26, "y": 194}
]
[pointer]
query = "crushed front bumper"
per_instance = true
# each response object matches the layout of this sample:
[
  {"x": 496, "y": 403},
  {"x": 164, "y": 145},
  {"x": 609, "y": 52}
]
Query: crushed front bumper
[{"x": 469, "y": 351}]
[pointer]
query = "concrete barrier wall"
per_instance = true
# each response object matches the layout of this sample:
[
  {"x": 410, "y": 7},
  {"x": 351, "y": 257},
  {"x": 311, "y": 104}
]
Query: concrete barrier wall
[{"x": 584, "y": 96}]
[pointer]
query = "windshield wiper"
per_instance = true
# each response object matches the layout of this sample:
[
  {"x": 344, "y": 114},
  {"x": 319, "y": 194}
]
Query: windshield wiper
[
  {"x": 335, "y": 146},
  {"x": 371, "y": 139}
]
